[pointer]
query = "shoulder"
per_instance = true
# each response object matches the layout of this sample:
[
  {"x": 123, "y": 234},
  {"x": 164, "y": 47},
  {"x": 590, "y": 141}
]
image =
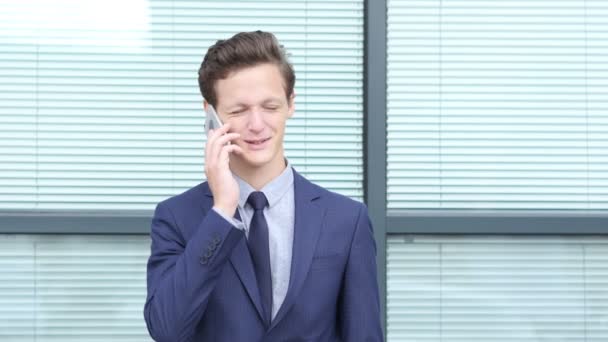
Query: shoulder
[
  {"x": 182, "y": 213},
  {"x": 341, "y": 201},
  {"x": 330, "y": 200},
  {"x": 189, "y": 200}
]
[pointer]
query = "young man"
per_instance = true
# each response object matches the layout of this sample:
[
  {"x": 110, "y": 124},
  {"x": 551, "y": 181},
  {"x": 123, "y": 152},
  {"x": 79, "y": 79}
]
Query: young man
[{"x": 258, "y": 253}]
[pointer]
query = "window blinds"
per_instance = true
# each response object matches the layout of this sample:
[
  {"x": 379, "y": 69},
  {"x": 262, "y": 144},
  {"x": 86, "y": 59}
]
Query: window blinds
[
  {"x": 99, "y": 102},
  {"x": 525, "y": 289},
  {"x": 497, "y": 104},
  {"x": 73, "y": 288}
]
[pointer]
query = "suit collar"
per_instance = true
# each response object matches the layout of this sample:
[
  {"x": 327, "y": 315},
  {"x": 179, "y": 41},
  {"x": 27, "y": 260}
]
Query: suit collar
[
  {"x": 274, "y": 190},
  {"x": 308, "y": 189}
]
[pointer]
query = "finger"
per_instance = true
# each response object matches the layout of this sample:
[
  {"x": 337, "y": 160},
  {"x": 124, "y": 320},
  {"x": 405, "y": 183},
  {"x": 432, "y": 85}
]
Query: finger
[
  {"x": 224, "y": 139},
  {"x": 215, "y": 145},
  {"x": 215, "y": 133},
  {"x": 236, "y": 149},
  {"x": 209, "y": 134},
  {"x": 224, "y": 156},
  {"x": 208, "y": 146},
  {"x": 222, "y": 129},
  {"x": 212, "y": 136}
]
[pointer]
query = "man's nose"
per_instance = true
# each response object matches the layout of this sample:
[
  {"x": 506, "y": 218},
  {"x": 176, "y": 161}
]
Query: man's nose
[{"x": 256, "y": 120}]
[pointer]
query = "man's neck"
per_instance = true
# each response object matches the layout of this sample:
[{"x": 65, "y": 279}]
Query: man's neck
[{"x": 258, "y": 177}]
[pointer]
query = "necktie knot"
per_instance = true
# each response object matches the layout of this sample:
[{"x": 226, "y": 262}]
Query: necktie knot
[{"x": 257, "y": 200}]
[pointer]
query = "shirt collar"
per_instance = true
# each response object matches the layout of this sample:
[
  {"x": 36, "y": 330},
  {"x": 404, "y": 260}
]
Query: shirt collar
[{"x": 274, "y": 190}]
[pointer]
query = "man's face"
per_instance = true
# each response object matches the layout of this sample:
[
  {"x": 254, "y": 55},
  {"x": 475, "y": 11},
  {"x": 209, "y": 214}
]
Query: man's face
[{"x": 253, "y": 101}]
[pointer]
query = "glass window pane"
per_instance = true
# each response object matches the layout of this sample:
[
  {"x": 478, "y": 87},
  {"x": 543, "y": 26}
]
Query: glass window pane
[
  {"x": 73, "y": 288},
  {"x": 497, "y": 105},
  {"x": 493, "y": 288},
  {"x": 100, "y": 108}
]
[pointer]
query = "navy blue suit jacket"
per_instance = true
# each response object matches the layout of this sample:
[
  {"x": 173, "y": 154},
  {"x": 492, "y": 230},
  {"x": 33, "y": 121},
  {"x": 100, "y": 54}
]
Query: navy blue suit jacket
[{"x": 202, "y": 287}]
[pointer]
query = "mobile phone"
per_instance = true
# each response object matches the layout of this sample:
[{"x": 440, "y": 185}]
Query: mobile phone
[{"x": 213, "y": 120}]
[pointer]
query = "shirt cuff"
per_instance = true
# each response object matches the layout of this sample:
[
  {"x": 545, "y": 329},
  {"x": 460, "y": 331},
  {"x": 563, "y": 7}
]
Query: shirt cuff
[{"x": 236, "y": 223}]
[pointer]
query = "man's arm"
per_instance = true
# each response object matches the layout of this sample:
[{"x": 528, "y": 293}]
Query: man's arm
[
  {"x": 181, "y": 276},
  {"x": 359, "y": 304}
]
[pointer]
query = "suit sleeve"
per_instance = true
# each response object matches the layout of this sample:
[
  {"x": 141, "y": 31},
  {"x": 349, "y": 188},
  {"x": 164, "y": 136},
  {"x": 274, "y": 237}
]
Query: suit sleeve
[
  {"x": 182, "y": 275},
  {"x": 359, "y": 303}
]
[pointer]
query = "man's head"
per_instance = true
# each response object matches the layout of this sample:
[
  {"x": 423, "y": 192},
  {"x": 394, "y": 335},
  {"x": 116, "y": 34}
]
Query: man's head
[
  {"x": 249, "y": 81},
  {"x": 245, "y": 49}
]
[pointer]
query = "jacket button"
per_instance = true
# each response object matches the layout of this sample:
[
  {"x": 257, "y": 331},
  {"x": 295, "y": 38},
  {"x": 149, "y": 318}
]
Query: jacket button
[{"x": 216, "y": 238}]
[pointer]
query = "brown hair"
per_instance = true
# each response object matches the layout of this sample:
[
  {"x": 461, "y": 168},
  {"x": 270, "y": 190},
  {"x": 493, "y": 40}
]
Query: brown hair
[{"x": 245, "y": 49}]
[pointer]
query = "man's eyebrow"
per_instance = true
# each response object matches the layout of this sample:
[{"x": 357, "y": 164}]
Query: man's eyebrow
[
  {"x": 235, "y": 106},
  {"x": 239, "y": 105},
  {"x": 273, "y": 100}
]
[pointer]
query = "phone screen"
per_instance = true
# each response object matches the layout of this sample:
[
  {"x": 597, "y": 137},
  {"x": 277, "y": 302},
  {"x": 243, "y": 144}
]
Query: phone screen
[{"x": 212, "y": 121}]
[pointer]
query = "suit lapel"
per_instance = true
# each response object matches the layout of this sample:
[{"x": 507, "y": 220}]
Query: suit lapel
[
  {"x": 241, "y": 262},
  {"x": 243, "y": 265},
  {"x": 307, "y": 227}
]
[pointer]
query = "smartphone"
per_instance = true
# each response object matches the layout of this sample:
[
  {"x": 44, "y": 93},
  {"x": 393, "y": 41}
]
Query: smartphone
[{"x": 213, "y": 120}]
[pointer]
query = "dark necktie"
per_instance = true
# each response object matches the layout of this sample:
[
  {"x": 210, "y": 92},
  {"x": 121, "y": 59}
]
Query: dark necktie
[{"x": 260, "y": 253}]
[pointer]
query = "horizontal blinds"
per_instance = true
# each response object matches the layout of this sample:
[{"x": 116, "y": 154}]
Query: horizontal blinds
[
  {"x": 525, "y": 289},
  {"x": 497, "y": 105},
  {"x": 73, "y": 288},
  {"x": 99, "y": 101}
]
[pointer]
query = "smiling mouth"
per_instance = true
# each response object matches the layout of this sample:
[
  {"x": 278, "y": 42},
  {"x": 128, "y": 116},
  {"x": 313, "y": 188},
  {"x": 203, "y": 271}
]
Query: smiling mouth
[{"x": 257, "y": 141}]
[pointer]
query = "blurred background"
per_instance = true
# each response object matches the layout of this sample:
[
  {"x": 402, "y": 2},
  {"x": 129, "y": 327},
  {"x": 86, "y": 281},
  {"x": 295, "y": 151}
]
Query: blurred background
[{"x": 475, "y": 131}]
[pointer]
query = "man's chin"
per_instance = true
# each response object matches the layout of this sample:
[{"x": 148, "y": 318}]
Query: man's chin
[{"x": 249, "y": 162}]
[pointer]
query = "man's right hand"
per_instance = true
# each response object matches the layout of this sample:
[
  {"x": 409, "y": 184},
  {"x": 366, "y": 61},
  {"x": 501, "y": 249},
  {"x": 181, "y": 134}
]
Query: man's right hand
[{"x": 223, "y": 185}]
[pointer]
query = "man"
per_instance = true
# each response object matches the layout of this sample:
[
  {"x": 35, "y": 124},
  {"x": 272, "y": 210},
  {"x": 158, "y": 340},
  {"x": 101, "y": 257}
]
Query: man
[{"x": 258, "y": 253}]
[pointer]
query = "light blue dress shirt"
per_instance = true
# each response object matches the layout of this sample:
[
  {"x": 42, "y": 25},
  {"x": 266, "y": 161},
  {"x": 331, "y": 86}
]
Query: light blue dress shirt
[{"x": 280, "y": 218}]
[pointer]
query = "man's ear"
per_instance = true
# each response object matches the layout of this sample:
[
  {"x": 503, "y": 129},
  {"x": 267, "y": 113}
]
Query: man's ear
[
  {"x": 205, "y": 104},
  {"x": 292, "y": 104}
]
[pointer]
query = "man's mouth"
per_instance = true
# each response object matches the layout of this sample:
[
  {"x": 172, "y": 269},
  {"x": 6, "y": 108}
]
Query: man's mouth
[{"x": 256, "y": 142}]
